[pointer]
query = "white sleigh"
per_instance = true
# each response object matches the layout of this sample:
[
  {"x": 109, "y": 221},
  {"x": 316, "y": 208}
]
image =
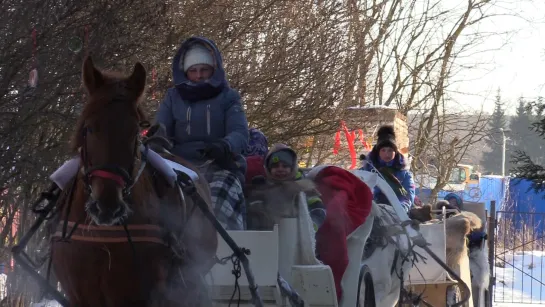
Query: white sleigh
[{"x": 274, "y": 252}]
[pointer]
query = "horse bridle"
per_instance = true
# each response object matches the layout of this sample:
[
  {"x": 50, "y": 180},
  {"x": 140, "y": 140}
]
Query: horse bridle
[{"x": 120, "y": 175}]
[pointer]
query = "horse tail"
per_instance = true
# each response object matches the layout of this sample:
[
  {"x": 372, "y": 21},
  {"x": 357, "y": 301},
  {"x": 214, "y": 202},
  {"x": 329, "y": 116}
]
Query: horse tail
[{"x": 306, "y": 233}]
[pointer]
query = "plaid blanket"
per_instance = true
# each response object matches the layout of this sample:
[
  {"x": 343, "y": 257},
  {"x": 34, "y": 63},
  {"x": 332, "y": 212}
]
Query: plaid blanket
[{"x": 227, "y": 197}]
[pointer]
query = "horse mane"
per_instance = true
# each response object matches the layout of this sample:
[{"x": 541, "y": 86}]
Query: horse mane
[{"x": 94, "y": 105}]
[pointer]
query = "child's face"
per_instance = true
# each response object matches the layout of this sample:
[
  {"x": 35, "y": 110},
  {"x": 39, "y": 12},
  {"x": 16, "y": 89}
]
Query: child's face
[
  {"x": 387, "y": 154},
  {"x": 280, "y": 170}
]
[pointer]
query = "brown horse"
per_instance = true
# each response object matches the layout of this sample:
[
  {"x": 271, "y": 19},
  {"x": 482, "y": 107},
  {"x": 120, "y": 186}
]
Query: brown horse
[{"x": 125, "y": 237}]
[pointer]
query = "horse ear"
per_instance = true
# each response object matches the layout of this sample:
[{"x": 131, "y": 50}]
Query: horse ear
[
  {"x": 138, "y": 78},
  {"x": 92, "y": 77}
]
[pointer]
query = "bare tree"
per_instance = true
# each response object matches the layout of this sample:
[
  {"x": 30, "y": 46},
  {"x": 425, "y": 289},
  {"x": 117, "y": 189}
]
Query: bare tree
[
  {"x": 53, "y": 37},
  {"x": 452, "y": 135}
]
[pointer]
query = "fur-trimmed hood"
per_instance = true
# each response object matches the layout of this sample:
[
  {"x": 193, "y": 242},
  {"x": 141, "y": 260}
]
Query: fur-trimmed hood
[{"x": 218, "y": 77}]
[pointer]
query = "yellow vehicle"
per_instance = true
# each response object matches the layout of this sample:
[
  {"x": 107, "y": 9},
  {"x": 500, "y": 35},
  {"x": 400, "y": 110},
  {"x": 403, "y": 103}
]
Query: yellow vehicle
[{"x": 464, "y": 173}]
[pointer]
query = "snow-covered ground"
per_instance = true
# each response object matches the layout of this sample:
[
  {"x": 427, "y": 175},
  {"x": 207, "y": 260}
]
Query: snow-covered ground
[{"x": 522, "y": 281}]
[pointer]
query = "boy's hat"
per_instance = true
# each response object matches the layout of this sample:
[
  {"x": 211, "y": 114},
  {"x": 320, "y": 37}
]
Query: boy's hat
[
  {"x": 283, "y": 156},
  {"x": 386, "y": 137},
  {"x": 459, "y": 200}
]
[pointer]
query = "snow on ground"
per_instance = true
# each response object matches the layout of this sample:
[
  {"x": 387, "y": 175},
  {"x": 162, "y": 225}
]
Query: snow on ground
[{"x": 521, "y": 282}]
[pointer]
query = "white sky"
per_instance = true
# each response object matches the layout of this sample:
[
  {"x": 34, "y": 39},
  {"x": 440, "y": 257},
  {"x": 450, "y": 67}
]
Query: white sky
[{"x": 517, "y": 68}]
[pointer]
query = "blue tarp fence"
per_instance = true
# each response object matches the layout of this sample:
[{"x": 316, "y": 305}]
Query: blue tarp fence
[
  {"x": 489, "y": 188},
  {"x": 525, "y": 207}
]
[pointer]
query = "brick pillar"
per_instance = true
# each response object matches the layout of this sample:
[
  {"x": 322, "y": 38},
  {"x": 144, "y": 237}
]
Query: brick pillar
[{"x": 370, "y": 119}]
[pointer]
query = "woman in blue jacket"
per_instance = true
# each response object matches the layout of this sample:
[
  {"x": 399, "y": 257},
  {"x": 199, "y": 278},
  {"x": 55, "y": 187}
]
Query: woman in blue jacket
[
  {"x": 203, "y": 116},
  {"x": 391, "y": 164}
]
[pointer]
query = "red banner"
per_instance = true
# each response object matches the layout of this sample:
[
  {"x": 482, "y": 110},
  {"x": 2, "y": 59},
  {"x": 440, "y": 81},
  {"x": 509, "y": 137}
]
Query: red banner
[
  {"x": 351, "y": 147},
  {"x": 351, "y": 137},
  {"x": 337, "y": 144}
]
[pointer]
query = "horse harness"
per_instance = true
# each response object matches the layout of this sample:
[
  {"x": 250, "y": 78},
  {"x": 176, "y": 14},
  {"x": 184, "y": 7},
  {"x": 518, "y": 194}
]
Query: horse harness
[{"x": 125, "y": 233}]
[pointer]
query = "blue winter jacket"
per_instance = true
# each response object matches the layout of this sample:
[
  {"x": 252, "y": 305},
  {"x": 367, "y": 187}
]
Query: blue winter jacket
[
  {"x": 192, "y": 117},
  {"x": 402, "y": 173}
]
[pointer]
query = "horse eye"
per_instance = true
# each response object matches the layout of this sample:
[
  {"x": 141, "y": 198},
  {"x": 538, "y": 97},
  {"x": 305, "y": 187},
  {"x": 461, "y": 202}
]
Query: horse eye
[
  {"x": 93, "y": 127},
  {"x": 144, "y": 124}
]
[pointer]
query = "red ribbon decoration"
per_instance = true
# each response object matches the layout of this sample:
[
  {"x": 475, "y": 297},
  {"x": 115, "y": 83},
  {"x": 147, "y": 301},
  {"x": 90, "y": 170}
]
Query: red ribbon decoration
[
  {"x": 337, "y": 144},
  {"x": 362, "y": 140},
  {"x": 350, "y": 138},
  {"x": 351, "y": 146}
]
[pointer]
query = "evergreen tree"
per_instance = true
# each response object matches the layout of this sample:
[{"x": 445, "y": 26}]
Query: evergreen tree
[
  {"x": 535, "y": 144},
  {"x": 523, "y": 165},
  {"x": 521, "y": 135},
  {"x": 491, "y": 160}
]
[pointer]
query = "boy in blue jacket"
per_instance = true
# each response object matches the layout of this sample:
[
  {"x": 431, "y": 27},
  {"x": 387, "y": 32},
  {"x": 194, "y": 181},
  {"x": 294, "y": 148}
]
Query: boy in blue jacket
[{"x": 391, "y": 164}]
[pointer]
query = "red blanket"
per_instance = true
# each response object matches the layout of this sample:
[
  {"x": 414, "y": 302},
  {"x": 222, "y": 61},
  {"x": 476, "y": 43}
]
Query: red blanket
[{"x": 348, "y": 203}]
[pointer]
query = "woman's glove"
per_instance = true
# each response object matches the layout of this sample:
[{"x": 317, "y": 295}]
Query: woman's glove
[{"x": 220, "y": 151}]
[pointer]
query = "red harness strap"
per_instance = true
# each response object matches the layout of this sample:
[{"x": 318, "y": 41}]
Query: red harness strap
[{"x": 107, "y": 175}]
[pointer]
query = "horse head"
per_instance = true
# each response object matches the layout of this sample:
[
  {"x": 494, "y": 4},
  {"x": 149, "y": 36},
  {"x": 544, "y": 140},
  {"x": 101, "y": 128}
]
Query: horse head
[{"x": 108, "y": 140}]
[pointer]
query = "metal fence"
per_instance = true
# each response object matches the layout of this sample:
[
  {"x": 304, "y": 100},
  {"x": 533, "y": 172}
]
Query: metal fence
[{"x": 518, "y": 253}]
